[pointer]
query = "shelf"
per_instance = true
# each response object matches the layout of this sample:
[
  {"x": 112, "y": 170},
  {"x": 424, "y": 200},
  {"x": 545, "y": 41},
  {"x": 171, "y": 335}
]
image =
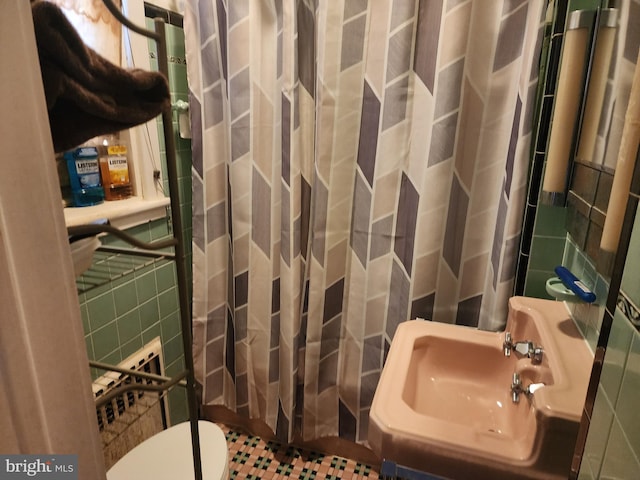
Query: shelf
[
  {"x": 112, "y": 263},
  {"x": 121, "y": 213}
]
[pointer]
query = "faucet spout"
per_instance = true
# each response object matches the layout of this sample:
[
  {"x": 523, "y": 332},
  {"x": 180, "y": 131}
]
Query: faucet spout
[{"x": 524, "y": 348}]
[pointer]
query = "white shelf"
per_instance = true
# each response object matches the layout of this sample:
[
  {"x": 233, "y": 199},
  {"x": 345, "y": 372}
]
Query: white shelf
[{"x": 121, "y": 213}]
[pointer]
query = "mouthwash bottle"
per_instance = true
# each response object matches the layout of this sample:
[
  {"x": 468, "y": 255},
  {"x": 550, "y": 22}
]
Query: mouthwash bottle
[
  {"x": 114, "y": 170},
  {"x": 84, "y": 176}
]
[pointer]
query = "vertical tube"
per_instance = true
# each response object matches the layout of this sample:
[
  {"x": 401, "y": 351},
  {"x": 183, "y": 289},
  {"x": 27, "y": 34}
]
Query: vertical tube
[
  {"x": 176, "y": 222},
  {"x": 624, "y": 168},
  {"x": 565, "y": 112},
  {"x": 598, "y": 82}
]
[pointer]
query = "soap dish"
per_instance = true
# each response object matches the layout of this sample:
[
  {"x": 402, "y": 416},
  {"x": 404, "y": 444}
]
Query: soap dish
[{"x": 559, "y": 291}]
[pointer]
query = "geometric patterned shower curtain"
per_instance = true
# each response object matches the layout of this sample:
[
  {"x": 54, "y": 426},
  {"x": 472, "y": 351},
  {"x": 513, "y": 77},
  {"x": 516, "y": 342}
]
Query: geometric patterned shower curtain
[{"x": 355, "y": 164}]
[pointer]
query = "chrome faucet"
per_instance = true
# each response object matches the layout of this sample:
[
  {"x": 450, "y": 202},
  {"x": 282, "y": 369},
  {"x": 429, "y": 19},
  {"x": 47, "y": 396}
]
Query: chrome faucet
[
  {"x": 517, "y": 388},
  {"x": 525, "y": 349}
]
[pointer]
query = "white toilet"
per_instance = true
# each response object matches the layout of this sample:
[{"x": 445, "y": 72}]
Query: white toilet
[{"x": 168, "y": 456}]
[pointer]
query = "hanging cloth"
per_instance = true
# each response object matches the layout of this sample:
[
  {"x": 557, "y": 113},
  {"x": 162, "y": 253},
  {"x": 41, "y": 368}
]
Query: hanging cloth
[{"x": 86, "y": 94}]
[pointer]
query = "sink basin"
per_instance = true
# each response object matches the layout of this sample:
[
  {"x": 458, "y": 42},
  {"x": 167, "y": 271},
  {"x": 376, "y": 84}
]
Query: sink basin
[
  {"x": 444, "y": 404},
  {"x": 461, "y": 387}
]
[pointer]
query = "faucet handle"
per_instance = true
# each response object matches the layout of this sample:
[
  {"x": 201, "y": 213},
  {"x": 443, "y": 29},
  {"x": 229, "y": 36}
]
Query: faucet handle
[
  {"x": 516, "y": 387},
  {"x": 516, "y": 381},
  {"x": 536, "y": 355},
  {"x": 507, "y": 344}
]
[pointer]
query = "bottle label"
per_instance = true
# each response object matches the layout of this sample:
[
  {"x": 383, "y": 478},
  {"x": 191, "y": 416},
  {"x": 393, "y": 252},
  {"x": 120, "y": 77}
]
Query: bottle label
[
  {"x": 88, "y": 172},
  {"x": 118, "y": 170},
  {"x": 84, "y": 167}
]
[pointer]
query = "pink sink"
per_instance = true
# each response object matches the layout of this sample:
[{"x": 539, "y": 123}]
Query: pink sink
[{"x": 444, "y": 402}]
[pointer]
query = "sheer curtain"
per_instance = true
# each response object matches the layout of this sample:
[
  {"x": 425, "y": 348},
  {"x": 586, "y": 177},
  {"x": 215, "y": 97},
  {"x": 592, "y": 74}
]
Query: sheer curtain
[
  {"x": 95, "y": 24},
  {"x": 356, "y": 164}
]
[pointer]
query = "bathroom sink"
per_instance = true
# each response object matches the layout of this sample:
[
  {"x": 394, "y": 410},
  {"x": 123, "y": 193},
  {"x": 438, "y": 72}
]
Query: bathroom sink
[
  {"x": 445, "y": 405},
  {"x": 461, "y": 386}
]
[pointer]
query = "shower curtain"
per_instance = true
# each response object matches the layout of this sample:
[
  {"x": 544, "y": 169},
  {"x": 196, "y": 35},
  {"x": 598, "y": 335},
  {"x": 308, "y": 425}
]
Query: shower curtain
[{"x": 356, "y": 164}]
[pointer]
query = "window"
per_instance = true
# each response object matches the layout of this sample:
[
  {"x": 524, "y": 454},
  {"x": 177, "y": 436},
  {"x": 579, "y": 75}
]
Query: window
[
  {"x": 96, "y": 26},
  {"x": 104, "y": 34}
]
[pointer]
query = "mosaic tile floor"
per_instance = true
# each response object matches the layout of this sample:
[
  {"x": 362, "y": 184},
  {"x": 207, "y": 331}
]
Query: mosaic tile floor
[{"x": 252, "y": 458}]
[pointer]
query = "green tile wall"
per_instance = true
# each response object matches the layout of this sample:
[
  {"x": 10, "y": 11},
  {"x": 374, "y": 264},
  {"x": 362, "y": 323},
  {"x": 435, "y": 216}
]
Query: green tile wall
[
  {"x": 613, "y": 442},
  {"x": 630, "y": 277},
  {"x": 588, "y": 317},
  {"x": 552, "y": 246},
  {"x": 120, "y": 317},
  {"x": 585, "y": 4},
  {"x": 547, "y": 249},
  {"x": 179, "y": 89}
]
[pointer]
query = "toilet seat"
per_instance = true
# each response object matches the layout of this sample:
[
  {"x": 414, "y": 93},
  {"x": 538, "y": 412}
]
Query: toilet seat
[{"x": 168, "y": 455}]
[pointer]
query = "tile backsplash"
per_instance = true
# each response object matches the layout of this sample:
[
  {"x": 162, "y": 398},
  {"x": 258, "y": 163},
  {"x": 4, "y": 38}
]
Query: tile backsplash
[
  {"x": 588, "y": 317},
  {"x": 586, "y": 209},
  {"x": 612, "y": 449},
  {"x": 547, "y": 247},
  {"x": 613, "y": 442}
]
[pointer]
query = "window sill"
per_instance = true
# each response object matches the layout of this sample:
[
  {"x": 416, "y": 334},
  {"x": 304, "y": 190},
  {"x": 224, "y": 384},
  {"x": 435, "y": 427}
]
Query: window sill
[{"x": 121, "y": 213}]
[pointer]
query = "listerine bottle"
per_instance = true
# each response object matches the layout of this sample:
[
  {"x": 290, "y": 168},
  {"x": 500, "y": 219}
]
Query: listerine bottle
[
  {"x": 84, "y": 176},
  {"x": 114, "y": 169}
]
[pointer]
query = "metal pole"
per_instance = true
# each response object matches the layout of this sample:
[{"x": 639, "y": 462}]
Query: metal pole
[{"x": 176, "y": 222}]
